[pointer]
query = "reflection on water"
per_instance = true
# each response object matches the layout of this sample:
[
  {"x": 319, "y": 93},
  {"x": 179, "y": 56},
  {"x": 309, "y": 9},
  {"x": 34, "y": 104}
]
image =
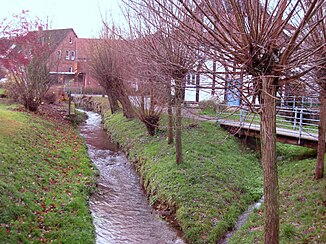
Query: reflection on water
[{"x": 119, "y": 207}]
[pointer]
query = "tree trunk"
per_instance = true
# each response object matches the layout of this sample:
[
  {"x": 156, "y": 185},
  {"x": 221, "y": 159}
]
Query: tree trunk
[
  {"x": 178, "y": 121},
  {"x": 152, "y": 101},
  {"x": 142, "y": 105},
  {"x": 321, "y": 136},
  {"x": 127, "y": 109},
  {"x": 268, "y": 154},
  {"x": 113, "y": 102},
  {"x": 170, "y": 115},
  {"x": 123, "y": 98},
  {"x": 197, "y": 86},
  {"x": 214, "y": 78}
]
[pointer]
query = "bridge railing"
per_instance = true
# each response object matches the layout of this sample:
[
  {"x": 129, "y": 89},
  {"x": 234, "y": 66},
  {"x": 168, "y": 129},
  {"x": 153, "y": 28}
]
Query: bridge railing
[{"x": 294, "y": 115}]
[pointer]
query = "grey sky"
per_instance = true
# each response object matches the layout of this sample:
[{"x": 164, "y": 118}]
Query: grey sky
[{"x": 82, "y": 15}]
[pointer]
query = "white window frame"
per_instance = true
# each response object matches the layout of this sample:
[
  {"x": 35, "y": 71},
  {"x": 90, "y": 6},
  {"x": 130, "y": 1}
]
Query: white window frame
[
  {"x": 70, "y": 40},
  {"x": 71, "y": 69},
  {"x": 67, "y": 55}
]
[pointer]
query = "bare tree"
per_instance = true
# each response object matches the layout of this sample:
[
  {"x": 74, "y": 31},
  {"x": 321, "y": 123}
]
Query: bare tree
[
  {"x": 109, "y": 65},
  {"x": 100, "y": 68},
  {"x": 263, "y": 41},
  {"x": 316, "y": 40},
  {"x": 167, "y": 47},
  {"x": 148, "y": 86}
]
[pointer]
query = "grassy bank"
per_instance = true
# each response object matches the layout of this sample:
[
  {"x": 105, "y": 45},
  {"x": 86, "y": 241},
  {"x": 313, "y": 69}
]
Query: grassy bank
[
  {"x": 302, "y": 201},
  {"x": 45, "y": 180},
  {"x": 216, "y": 182}
]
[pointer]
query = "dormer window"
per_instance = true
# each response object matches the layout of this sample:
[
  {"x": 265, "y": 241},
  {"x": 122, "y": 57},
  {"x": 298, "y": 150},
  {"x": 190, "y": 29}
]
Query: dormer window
[
  {"x": 70, "y": 40},
  {"x": 67, "y": 55}
]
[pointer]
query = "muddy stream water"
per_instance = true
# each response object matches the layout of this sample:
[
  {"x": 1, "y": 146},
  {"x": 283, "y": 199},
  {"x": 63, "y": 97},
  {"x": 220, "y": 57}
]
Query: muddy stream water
[{"x": 120, "y": 210}]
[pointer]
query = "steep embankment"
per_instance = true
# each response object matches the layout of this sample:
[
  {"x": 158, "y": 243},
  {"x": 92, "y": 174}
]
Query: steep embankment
[
  {"x": 217, "y": 180},
  {"x": 45, "y": 180}
]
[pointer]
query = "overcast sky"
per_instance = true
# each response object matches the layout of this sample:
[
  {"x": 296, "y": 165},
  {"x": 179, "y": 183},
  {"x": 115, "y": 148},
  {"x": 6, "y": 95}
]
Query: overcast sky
[{"x": 84, "y": 16}]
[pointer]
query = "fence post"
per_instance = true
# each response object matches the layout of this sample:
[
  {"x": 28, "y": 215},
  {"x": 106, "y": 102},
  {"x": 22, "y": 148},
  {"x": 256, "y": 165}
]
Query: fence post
[
  {"x": 242, "y": 116},
  {"x": 295, "y": 118},
  {"x": 216, "y": 114},
  {"x": 294, "y": 102},
  {"x": 69, "y": 102},
  {"x": 301, "y": 124}
]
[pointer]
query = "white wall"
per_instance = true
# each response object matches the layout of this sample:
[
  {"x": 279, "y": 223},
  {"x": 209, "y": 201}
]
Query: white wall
[{"x": 206, "y": 81}]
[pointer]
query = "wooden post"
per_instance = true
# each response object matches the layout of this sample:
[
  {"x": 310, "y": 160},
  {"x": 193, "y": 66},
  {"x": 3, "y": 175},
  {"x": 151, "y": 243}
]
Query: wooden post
[{"x": 69, "y": 102}]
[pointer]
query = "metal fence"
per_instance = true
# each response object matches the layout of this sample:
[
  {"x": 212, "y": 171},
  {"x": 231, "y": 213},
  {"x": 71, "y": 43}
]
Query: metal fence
[{"x": 301, "y": 115}]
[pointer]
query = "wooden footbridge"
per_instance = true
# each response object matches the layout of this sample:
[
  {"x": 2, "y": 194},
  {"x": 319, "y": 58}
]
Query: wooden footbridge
[
  {"x": 306, "y": 139},
  {"x": 295, "y": 125}
]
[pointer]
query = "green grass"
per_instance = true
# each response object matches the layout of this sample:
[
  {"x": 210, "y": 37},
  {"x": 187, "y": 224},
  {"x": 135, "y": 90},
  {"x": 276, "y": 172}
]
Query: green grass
[
  {"x": 46, "y": 178},
  {"x": 302, "y": 201},
  {"x": 2, "y": 91},
  {"x": 217, "y": 180}
]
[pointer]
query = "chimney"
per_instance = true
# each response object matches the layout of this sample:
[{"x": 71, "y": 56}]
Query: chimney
[{"x": 40, "y": 28}]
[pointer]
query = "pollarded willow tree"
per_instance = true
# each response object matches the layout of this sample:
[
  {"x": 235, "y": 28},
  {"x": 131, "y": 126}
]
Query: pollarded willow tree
[
  {"x": 110, "y": 65},
  {"x": 317, "y": 41},
  {"x": 148, "y": 88},
  {"x": 168, "y": 48},
  {"x": 263, "y": 41}
]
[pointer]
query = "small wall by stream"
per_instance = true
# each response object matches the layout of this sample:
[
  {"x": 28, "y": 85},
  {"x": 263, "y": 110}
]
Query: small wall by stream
[{"x": 88, "y": 103}]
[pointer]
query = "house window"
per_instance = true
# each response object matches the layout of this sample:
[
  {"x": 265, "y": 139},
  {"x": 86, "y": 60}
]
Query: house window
[
  {"x": 72, "y": 55},
  {"x": 193, "y": 78},
  {"x": 59, "y": 54},
  {"x": 67, "y": 55},
  {"x": 188, "y": 79},
  {"x": 70, "y": 69},
  {"x": 70, "y": 40}
]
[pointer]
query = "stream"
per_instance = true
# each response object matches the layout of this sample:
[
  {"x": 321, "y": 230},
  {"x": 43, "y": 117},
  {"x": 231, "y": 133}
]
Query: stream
[
  {"x": 241, "y": 220},
  {"x": 119, "y": 207}
]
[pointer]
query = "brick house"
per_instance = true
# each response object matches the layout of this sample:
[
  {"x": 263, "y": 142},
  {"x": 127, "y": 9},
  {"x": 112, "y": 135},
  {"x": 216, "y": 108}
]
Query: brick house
[
  {"x": 72, "y": 55},
  {"x": 64, "y": 43},
  {"x": 82, "y": 68},
  {"x": 68, "y": 61}
]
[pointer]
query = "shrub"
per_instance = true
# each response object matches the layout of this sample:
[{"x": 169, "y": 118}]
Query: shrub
[
  {"x": 207, "y": 104},
  {"x": 3, "y": 93},
  {"x": 50, "y": 97}
]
